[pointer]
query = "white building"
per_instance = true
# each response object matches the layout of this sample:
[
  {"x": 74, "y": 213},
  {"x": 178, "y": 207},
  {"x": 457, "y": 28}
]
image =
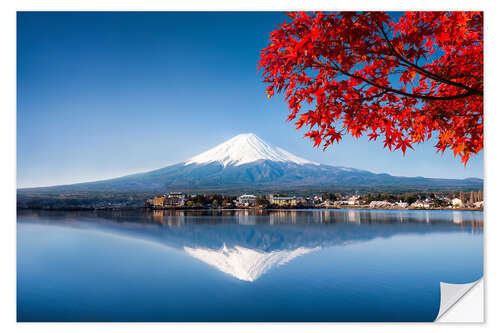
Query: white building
[
  {"x": 327, "y": 203},
  {"x": 402, "y": 204},
  {"x": 247, "y": 200},
  {"x": 456, "y": 202},
  {"x": 318, "y": 199},
  {"x": 380, "y": 204},
  {"x": 354, "y": 200},
  {"x": 175, "y": 199},
  {"x": 422, "y": 204},
  {"x": 283, "y": 201}
]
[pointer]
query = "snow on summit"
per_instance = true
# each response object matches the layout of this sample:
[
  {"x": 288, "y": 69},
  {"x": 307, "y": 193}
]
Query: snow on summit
[{"x": 243, "y": 149}]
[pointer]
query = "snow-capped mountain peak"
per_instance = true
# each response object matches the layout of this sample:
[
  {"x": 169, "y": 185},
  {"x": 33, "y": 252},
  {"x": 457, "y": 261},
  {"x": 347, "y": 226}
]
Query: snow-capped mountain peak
[{"x": 243, "y": 149}]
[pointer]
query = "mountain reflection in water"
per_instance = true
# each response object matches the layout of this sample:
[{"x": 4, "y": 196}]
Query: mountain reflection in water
[
  {"x": 246, "y": 245},
  {"x": 230, "y": 243}
]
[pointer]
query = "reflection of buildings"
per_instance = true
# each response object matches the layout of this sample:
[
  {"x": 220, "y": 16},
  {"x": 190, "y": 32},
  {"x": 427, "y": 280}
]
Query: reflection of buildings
[
  {"x": 245, "y": 217},
  {"x": 457, "y": 218},
  {"x": 158, "y": 216},
  {"x": 354, "y": 216},
  {"x": 474, "y": 222},
  {"x": 476, "y": 226},
  {"x": 336, "y": 216},
  {"x": 282, "y": 217},
  {"x": 161, "y": 217}
]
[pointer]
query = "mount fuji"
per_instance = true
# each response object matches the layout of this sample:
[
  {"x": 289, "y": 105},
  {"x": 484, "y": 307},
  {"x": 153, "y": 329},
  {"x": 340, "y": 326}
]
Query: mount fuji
[
  {"x": 246, "y": 162},
  {"x": 244, "y": 149}
]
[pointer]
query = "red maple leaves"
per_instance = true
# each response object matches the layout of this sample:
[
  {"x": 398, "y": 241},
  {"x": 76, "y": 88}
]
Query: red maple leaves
[{"x": 404, "y": 79}]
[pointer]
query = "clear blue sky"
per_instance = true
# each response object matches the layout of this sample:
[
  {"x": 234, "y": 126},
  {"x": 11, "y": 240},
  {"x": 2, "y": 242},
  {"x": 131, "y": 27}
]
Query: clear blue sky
[{"x": 107, "y": 94}]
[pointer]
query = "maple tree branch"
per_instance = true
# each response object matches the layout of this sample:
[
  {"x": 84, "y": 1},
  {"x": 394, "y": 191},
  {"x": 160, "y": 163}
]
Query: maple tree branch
[
  {"x": 425, "y": 72},
  {"x": 400, "y": 92}
]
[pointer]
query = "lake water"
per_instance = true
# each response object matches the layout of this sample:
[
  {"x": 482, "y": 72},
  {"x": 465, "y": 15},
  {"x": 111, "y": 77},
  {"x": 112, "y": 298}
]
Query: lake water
[{"x": 309, "y": 265}]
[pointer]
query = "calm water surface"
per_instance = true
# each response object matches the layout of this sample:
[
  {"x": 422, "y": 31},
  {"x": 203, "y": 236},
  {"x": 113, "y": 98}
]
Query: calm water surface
[{"x": 314, "y": 265}]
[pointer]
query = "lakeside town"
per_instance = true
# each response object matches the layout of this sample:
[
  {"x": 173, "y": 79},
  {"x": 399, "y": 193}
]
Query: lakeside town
[{"x": 447, "y": 200}]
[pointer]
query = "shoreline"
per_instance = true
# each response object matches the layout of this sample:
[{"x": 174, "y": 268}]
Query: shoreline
[{"x": 242, "y": 209}]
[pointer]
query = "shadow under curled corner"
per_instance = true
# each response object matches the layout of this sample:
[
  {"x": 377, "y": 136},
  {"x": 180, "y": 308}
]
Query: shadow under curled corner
[{"x": 461, "y": 302}]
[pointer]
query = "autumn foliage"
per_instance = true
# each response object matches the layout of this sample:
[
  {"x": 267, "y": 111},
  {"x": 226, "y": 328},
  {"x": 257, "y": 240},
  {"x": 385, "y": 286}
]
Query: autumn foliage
[{"x": 405, "y": 78}]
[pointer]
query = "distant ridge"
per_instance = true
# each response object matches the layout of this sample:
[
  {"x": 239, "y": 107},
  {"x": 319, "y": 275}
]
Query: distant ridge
[{"x": 248, "y": 163}]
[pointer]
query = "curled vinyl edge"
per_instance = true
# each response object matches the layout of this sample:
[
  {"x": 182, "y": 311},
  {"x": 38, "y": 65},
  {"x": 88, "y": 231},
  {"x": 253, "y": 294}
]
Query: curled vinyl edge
[{"x": 451, "y": 294}]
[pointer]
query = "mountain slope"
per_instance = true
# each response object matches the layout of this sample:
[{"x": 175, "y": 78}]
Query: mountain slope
[{"x": 246, "y": 162}]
